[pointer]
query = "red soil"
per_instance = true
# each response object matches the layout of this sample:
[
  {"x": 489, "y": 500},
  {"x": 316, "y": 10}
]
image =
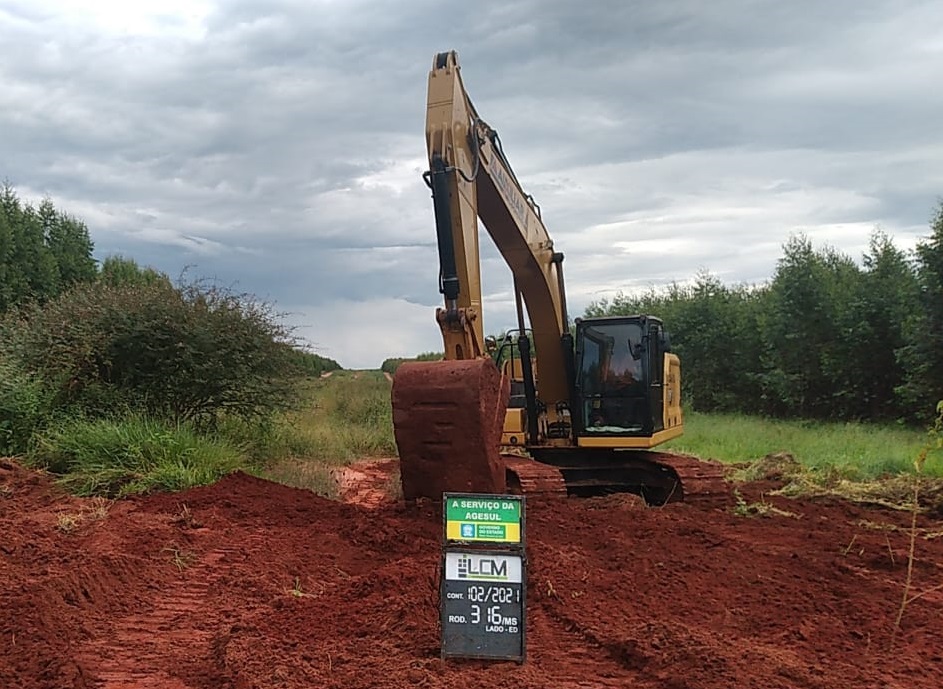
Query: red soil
[
  {"x": 368, "y": 483},
  {"x": 260, "y": 585}
]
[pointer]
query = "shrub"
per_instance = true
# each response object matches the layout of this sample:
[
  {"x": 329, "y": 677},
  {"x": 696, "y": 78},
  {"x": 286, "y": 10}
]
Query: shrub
[
  {"x": 190, "y": 353},
  {"x": 24, "y": 407}
]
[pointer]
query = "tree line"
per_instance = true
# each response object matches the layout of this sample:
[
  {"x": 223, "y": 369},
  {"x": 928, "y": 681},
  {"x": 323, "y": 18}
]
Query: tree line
[
  {"x": 43, "y": 251},
  {"x": 390, "y": 365},
  {"x": 826, "y": 338}
]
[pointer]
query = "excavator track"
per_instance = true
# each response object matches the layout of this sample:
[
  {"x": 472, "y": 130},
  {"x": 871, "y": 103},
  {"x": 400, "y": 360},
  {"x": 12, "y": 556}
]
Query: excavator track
[
  {"x": 526, "y": 476},
  {"x": 702, "y": 480},
  {"x": 659, "y": 477}
]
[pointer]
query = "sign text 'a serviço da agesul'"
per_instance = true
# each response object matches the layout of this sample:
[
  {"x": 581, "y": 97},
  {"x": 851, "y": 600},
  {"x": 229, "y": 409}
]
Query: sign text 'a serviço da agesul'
[{"x": 483, "y": 518}]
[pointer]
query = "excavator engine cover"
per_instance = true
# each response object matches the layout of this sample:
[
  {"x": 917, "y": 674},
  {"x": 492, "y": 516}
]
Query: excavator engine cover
[{"x": 447, "y": 419}]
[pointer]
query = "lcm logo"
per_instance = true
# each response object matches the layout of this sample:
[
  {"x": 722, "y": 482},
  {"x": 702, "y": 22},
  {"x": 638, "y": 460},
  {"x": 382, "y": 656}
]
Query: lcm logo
[{"x": 482, "y": 568}]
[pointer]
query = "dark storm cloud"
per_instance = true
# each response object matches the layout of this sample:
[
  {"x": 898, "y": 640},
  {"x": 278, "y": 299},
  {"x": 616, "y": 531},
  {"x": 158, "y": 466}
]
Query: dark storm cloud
[{"x": 281, "y": 144}]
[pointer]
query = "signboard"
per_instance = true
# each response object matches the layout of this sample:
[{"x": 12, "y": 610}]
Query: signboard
[
  {"x": 484, "y": 518},
  {"x": 483, "y": 604}
]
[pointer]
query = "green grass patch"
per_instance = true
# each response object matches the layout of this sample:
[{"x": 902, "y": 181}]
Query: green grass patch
[
  {"x": 336, "y": 420},
  {"x": 854, "y": 451},
  {"x": 345, "y": 417},
  {"x": 24, "y": 408},
  {"x": 342, "y": 418},
  {"x": 133, "y": 455}
]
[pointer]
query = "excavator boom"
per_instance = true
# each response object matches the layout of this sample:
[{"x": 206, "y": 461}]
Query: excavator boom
[{"x": 471, "y": 179}]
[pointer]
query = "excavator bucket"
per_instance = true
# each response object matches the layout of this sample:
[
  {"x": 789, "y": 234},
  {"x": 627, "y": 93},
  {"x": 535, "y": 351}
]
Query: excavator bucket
[{"x": 447, "y": 419}]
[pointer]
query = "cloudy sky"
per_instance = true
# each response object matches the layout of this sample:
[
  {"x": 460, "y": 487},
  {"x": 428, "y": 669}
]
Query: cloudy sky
[{"x": 278, "y": 144}]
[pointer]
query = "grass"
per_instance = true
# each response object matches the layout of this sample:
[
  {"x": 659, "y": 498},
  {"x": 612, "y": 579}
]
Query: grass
[
  {"x": 180, "y": 558},
  {"x": 864, "y": 463},
  {"x": 96, "y": 510},
  {"x": 348, "y": 417},
  {"x": 133, "y": 455},
  {"x": 297, "y": 592},
  {"x": 856, "y": 452},
  {"x": 67, "y": 523},
  {"x": 185, "y": 518},
  {"x": 761, "y": 508},
  {"x": 337, "y": 420},
  {"x": 343, "y": 418},
  {"x": 300, "y": 472}
]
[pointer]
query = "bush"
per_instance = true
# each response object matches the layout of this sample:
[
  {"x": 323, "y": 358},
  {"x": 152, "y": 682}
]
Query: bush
[
  {"x": 190, "y": 353},
  {"x": 24, "y": 408},
  {"x": 133, "y": 455}
]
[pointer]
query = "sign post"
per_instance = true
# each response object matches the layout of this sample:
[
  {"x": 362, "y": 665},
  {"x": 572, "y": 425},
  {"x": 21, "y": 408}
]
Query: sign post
[{"x": 484, "y": 582}]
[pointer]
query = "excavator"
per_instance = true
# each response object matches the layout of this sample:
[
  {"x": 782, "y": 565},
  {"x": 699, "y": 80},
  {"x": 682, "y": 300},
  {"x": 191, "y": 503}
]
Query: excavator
[{"x": 557, "y": 408}]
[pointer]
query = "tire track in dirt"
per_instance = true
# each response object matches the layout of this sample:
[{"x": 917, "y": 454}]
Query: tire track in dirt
[
  {"x": 289, "y": 590},
  {"x": 585, "y": 657},
  {"x": 150, "y": 649}
]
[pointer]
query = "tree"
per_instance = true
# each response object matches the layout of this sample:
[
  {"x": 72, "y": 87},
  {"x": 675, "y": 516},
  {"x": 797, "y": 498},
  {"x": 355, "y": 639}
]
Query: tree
[
  {"x": 810, "y": 324},
  {"x": 890, "y": 298},
  {"x": 119, "y": 271},
  {"x": 922, "y": 356},
  {"x": 390, "y": 365},
  {"x": 42, "y": 252},
  {"x": 714, "y": 333},
  {"x": 69, "y": 244}
]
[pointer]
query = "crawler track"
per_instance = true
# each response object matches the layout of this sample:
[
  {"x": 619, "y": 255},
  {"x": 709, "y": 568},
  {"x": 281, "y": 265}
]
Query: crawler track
[
  {"x": 702, "y": 480},
  {"x": 659, "y": 477},
  {"x": 528, "y": 477}
]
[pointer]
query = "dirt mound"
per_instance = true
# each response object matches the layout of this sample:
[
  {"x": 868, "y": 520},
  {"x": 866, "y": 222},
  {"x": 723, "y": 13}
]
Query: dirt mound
[{"x": 249, "y": 584}]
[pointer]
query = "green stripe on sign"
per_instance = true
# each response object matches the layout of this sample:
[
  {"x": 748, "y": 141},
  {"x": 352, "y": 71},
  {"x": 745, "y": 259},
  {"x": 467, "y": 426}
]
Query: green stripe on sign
[{"x": 483, "y": 510}]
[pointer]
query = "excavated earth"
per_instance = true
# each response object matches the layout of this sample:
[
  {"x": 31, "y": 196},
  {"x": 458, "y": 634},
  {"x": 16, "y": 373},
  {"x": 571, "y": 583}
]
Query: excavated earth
[{"x": 250, "y": 584}]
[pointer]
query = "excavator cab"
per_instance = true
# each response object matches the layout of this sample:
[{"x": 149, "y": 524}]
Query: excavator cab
[
  {"x": 625, "y": 386},
  {"x": 625, "y": 383}
]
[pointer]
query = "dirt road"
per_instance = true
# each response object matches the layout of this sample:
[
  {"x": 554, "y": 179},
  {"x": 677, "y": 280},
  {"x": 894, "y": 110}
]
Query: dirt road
[{"x": 249, "y": 584}]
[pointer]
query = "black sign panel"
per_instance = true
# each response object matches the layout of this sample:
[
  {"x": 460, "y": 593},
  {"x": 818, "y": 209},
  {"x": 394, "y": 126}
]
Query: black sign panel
[{"x": 483, "y": 604}]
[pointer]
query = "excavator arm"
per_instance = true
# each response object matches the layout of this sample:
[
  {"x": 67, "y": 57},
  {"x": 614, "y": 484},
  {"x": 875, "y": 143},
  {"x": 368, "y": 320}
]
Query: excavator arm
[
  {"x": 448, "y": 416},
  {"x": 470, "y": 179}
]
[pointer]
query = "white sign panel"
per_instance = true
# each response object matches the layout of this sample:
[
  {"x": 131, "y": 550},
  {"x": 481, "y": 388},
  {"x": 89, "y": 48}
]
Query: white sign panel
[{"x": 487, "y": 567}]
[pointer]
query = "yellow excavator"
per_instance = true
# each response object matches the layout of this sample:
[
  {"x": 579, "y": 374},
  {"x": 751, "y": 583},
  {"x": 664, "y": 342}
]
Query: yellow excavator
[{"x": 555, "y": 408}]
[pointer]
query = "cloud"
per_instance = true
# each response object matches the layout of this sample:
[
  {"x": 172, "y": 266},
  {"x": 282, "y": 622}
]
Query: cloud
[
  {"x": 280, "y": 144},
  {"x": 349, "y": 331}
]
